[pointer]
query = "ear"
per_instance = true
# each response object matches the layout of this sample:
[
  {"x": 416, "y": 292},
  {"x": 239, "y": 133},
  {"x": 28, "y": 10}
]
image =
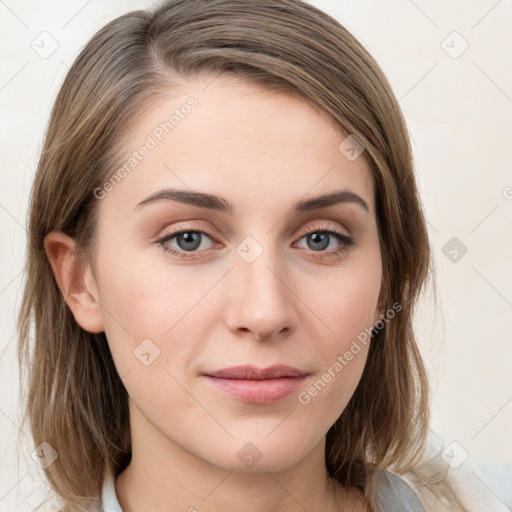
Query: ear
[
  {"x": 378, "y": 315},
  {"x": 75, "y": 280},
  {"x": 379, "y": 310}
]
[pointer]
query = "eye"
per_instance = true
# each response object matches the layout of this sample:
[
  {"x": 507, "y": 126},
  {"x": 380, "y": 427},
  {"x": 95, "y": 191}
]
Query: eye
[
  {"x": 188, "y": 241},
  {"x": 320, "y": 238}
]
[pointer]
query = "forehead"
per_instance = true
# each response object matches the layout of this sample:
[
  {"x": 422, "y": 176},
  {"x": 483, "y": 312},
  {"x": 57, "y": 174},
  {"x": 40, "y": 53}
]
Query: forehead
[{"x": 244, "y": 142}]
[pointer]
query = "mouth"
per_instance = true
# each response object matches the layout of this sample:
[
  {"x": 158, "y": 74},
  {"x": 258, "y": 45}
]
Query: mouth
[{"x": 257, "y": 385}]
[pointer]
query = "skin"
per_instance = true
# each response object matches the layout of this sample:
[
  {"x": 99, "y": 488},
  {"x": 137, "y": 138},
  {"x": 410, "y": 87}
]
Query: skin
[{"x": 262, "y": 151}]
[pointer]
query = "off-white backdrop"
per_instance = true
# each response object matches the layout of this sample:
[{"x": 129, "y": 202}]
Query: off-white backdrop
[{"x": 449, "y": 64}]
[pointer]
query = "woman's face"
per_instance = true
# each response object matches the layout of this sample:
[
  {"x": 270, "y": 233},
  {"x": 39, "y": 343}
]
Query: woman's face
[{"x": 257, "y": 277}]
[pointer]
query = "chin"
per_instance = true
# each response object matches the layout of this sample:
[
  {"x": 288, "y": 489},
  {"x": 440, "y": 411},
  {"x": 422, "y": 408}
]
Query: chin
[{"x": 258, "y": 456}]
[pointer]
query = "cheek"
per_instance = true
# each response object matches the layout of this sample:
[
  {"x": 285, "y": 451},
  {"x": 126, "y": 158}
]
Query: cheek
[
  {"x": 153, "y": 330},
  {"x": 346, "y": 301},
  {"x": 346, "y": 309},
  {"x": 144, "y": 299}
]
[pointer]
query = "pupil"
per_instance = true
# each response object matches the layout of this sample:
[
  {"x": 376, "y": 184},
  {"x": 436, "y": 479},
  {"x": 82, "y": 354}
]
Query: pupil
[{"x": 319, "y": 238}]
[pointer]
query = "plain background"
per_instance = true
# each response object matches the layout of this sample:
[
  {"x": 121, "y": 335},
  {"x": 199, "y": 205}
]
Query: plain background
[{"x": 458, "y": 105}]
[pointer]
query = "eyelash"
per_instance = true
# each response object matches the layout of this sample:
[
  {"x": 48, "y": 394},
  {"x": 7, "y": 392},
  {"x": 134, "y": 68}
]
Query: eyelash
[{"x": 340, "y": 237}]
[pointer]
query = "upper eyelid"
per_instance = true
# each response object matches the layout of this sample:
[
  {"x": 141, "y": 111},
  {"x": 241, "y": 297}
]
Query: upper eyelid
[{"x": 316, "y": 225}]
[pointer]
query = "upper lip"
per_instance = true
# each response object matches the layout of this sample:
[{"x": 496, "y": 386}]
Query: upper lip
[{"x": 254, "y": 373}]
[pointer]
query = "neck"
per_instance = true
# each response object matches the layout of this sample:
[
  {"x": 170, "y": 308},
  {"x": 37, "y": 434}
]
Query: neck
[{"x": 162, "y": 476}]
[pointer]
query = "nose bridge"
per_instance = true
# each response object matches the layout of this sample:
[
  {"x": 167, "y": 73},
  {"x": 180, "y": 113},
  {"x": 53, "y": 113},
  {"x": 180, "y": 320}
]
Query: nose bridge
[{"x": 261, "y": 299}]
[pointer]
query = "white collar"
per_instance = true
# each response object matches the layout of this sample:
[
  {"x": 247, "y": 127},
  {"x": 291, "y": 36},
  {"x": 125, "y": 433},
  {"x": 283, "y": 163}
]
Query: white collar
[{"x": 109, "y": 499}]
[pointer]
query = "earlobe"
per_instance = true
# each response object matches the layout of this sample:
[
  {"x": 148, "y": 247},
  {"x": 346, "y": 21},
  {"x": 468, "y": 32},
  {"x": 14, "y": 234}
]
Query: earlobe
[{"x": 75, "y": 280}]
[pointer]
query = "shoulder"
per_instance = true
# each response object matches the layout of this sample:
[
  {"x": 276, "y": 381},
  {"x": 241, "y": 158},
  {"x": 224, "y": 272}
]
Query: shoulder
[
  {"x": 464, "y": 489},
  {"x": 393, "y": 493}
]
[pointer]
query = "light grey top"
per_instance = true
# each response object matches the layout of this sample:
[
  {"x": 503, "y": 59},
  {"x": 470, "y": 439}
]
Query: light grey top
[{"x": 393, "y": 494}]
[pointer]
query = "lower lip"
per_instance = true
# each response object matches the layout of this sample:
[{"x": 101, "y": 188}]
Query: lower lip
[{"x": 258, "y": 391}]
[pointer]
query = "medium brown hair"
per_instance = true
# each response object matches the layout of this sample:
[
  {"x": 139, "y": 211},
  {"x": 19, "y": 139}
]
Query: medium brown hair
[{"x": 76, "y": 400}]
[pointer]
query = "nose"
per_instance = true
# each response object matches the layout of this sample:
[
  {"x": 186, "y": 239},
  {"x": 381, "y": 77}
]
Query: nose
[{"x": 262, "y": 300}]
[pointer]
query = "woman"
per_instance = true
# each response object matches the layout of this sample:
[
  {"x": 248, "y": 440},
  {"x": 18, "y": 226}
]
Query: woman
[{"x": 226, "y": 246}]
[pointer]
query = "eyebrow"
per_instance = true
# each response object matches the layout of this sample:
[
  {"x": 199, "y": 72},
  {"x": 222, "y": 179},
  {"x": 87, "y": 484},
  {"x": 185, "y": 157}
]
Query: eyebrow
[{"x": 212, "y": 202}]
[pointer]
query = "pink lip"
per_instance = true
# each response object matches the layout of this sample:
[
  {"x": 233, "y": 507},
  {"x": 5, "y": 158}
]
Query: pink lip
[{"x": 255, "y": 385}]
